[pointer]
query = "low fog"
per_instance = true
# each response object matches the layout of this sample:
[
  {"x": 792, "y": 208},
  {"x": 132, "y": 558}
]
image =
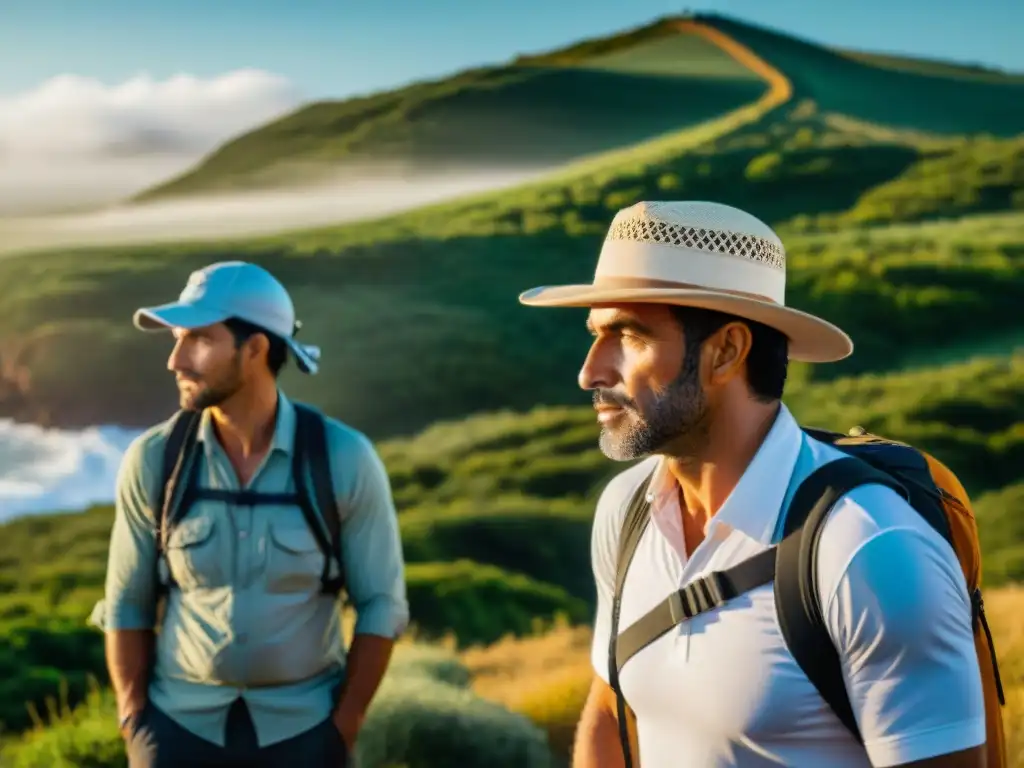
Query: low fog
[
  {"x": 237, "y": 215},
  {"x": 73, "y": 149}
]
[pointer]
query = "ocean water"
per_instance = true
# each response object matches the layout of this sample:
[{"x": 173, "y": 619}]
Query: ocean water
[{"x": 56, "y": 470}]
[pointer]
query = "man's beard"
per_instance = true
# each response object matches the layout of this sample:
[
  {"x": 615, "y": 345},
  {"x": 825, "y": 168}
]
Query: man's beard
[
  {"x": 214, "y": 394},
  {"x": 676, "y": 416}
]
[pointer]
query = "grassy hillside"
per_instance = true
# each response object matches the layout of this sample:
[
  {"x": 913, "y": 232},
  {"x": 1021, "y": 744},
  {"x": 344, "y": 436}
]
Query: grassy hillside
[
  {"x": 937, "y": 67},
  {"x": 536, "y": 111},
  {"x": 430, "y": 296},
  {"x": 873, "y": 89},
  {"x": 595, "y": 96},
  {"x": 496, "y": 510}
]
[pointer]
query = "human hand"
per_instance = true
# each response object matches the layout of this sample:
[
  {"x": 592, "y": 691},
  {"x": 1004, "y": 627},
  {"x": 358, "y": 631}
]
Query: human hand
[
  {"x": 348, "y": 725},
  {"x": 127, "y": 723}
]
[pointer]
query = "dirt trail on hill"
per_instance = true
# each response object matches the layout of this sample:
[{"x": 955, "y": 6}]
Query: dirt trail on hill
[
  {"x": 662, "y": 148},
  {"x": 780, "y": 88}
]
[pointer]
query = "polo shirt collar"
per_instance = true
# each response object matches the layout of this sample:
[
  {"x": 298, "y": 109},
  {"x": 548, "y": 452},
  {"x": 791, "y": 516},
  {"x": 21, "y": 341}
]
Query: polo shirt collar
[{"x": 755, "y": 503}]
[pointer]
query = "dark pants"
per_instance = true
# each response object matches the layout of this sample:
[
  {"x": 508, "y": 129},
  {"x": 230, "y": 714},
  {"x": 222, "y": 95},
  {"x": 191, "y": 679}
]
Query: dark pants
[{"x": 159, "y": 742}]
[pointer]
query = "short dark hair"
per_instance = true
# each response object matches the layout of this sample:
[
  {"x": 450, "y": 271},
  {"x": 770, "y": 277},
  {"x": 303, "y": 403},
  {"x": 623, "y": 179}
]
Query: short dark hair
[
  {"x": 242, "y": 330},
  {"x": 767, "y": 363}
]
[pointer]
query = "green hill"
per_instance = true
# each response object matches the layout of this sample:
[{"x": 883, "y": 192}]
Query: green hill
[
  {"x": 595, "y": 96},
  {"x": 876, "y": 89},
  {"x": 534, "y": 112}
]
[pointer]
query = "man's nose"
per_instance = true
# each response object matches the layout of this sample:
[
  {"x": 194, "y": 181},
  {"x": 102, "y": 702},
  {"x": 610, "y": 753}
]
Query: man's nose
[
  {"x": 598, "y": 370},
  {"x": 174, "y": 360}
]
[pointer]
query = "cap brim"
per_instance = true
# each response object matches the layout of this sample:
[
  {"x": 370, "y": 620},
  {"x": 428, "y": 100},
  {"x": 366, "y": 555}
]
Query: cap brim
[
  {"x": 176, "y": 315},
  {"x": 811, "y": 339}
]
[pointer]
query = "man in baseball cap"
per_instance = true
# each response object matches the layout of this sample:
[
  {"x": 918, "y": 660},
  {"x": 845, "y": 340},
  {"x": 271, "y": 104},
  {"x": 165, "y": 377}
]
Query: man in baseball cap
[
  {"x": 240, "y": 535},
  {"x": 233, "y": 289}
]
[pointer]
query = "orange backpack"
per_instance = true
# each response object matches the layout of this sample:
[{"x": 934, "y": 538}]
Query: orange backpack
[{"x": 929, "y": 487}]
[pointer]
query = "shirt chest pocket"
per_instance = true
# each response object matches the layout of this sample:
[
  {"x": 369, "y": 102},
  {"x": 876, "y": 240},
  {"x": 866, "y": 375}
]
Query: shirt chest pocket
[
  {"x": 294, "y": 562},
  {"x": 192, "y": 554}
]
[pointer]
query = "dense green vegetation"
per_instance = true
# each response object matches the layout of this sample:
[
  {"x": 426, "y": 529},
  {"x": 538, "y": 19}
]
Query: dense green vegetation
[{"x": 430, "y": 296}]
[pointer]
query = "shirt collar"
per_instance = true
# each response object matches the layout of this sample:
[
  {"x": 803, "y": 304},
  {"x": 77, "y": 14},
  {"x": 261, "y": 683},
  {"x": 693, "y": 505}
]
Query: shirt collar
[
  {"x": 755, "y": 503},
  {"x": 284, "y": 427}
]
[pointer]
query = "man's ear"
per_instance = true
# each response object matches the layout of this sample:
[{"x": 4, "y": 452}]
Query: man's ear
[
  {"x": 256, "y": 346},
  {"x": 727, "y": 351}
]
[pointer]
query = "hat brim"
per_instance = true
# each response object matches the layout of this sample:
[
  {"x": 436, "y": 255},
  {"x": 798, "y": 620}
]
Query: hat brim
[
  {"x": 176, "y": 315},
  {"x": 190, "y": 316},
  {"x": 811, "y": 339}
]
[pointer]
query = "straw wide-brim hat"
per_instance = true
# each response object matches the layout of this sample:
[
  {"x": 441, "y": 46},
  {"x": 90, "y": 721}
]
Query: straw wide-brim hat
[{"x": 699, "y": 254}]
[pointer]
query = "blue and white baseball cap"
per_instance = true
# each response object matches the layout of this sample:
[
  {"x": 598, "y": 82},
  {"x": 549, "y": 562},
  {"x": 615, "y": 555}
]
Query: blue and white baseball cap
[{"x": 232, "y": 289}]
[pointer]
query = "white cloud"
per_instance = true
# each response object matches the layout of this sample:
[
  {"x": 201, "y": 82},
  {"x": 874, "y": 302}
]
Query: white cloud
[{"x": 84, "y": 141}]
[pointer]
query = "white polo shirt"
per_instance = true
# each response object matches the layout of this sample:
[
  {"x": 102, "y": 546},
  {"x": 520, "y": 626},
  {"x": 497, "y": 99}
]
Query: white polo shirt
[{"x": 723, "y": 690}]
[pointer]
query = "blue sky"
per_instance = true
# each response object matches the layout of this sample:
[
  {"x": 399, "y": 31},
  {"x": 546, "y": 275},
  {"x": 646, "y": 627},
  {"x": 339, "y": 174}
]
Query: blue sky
[{"x": 347, "y": 47}]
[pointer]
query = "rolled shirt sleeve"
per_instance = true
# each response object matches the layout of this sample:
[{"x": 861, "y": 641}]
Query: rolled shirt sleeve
[
  {"x": 371, "y": 543},
  {"x": 130, "y": 588}
]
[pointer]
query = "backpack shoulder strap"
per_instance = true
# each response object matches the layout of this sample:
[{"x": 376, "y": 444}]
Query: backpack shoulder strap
[
  {"x": 633, "y": 527},
  {"x": 176, "y": 466},
  {"x": 321, "y": 511},
  {"x": 798, "y": 603},
  {"x": 177, "y": 451}
]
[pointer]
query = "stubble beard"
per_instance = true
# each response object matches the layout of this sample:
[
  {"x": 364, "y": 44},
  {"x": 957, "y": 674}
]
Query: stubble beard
[
  {"x": 214, "y": 394},
  {"x": 673, "y": 421}
]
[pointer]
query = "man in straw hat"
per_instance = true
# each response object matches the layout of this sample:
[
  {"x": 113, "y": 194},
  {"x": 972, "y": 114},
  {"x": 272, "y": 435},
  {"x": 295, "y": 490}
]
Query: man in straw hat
[
  {"x": 691, "y": 340},
  {"x": 246, "y": 514}
]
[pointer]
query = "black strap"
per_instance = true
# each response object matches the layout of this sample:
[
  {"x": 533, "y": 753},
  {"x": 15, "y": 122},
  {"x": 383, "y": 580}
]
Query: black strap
[
  {"x": 177, "y": 456},
  {"x": 798, "y": 603},
  {"x": 699, "y": 596},
  {"x": 176, "y": 460},
  {"x": 322, "y": 515},
  {"x": 978, "y": 617},
  {"x": 633, "y": 527},
  {"x": 244, "y": 498},
  {"x": 315, "y": 456}
]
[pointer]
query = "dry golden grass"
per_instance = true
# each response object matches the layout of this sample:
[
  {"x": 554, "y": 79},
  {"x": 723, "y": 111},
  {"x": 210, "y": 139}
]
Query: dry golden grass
[
  {"x": 1005, "y": 611},
  {"x": 546, "y": 678}
]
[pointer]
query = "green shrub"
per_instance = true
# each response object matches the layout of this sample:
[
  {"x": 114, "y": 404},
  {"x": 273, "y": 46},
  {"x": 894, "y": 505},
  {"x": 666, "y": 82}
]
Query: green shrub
[
  {"x": 1000, "y": 517},
  {"x": 83, "y": 737},
  {"x": 547, "y": 541},
  {"x": 480, "y": 603},
  {"x": 419, "y": 722}
]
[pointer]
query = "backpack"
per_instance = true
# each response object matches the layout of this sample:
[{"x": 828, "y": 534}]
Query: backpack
[
  {"x": 930, "y": 488},
  {"x": 178, "y": 489}
]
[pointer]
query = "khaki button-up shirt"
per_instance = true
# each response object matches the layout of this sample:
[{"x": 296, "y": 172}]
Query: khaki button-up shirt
[{"x": 247, "y": 618}]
